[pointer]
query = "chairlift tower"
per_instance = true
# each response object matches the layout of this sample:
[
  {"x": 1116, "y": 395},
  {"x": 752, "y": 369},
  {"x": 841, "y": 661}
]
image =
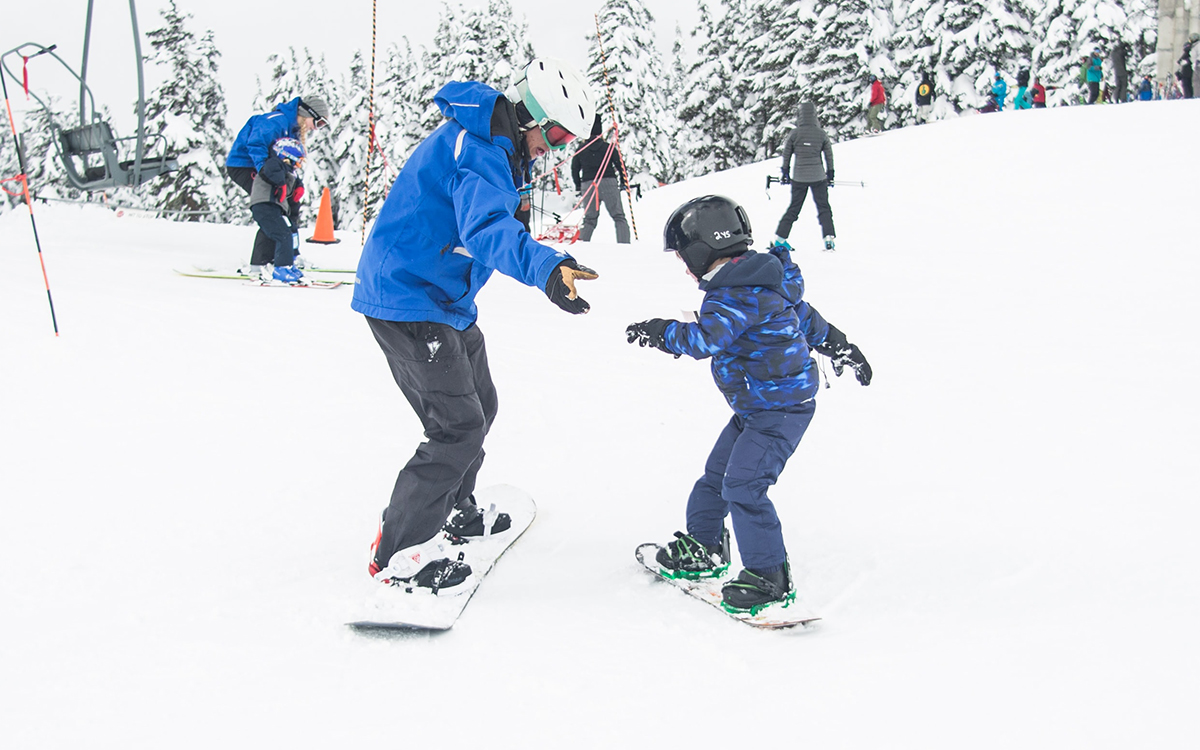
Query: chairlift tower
[{"x": 93, "y": 157}]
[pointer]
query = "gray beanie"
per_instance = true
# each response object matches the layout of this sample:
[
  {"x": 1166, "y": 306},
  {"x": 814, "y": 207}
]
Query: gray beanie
[{"x": 316, "y": 104}]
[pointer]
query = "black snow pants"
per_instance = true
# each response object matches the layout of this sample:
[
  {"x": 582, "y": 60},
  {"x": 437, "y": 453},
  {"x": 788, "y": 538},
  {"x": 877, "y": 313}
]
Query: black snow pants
[
  {"x": 820, "y": 193},
  {"x": 445, "y": 377},
  {"x": 264, "y": 247}
]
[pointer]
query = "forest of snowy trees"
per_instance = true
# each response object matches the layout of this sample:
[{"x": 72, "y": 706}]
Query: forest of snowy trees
[{"x": 720, "y": 95}]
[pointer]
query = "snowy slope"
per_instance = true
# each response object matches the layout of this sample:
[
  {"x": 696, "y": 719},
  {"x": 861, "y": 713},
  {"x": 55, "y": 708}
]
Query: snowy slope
[{"x": 998, "y": 531}]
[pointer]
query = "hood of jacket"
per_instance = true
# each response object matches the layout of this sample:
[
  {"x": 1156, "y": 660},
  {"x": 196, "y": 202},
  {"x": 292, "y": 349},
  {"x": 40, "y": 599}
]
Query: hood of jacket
[
  {"x": 808, "y": 115},
  {"x": 748, "y": 269},
  {"x": 473, "y": 105}
]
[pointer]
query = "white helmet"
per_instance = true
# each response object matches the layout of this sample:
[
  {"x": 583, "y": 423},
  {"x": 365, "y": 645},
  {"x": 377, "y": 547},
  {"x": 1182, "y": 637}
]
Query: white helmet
[{"x": 557, "y": 98}]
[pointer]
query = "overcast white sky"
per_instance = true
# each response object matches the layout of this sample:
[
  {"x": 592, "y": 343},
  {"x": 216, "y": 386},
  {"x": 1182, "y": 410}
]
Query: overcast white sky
[{"x": 248, "y": 31}]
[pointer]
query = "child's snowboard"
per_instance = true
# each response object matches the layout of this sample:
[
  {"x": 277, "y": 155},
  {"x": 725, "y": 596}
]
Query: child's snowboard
[
  {"x": 393, "y": 608},
  {"x": 708, "y": 590}
]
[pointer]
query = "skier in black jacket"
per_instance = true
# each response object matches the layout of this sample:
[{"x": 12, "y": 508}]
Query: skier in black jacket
[
  {"x": 810, "y": 145},
  {"x": 607, "y": 188}
]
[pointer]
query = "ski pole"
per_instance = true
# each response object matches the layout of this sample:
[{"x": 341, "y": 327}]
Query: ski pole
[{"x": 24, "y": 180}]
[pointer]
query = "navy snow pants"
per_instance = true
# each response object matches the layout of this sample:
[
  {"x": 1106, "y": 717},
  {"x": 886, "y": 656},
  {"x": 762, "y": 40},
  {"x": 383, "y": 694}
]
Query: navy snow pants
[
  {"x": 273, "y": 223},
  {"x": 445, "y": 377},
  {"x": 747, "y": 459}
]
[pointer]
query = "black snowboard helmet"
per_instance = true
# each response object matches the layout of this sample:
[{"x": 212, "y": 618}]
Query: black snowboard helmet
[{"x": 705, "y": 229}]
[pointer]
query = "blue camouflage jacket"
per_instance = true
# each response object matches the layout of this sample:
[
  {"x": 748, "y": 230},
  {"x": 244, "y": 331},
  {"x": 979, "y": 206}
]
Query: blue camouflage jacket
[
  {"x": 757, "y": 328},
  {"x": 448, "y": 223},
  {"x": 253, "y": 143}
]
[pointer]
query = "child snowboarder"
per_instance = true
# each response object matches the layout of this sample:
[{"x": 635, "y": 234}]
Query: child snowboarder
[
  {"x": 758, "y": 331},
  {"x": 273, "y": 193}
]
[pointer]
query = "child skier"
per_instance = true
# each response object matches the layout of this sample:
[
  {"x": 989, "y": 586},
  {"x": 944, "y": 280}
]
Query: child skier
[
  {"x": 271, "y": 197},
  {"x": 758, "y": 330}
]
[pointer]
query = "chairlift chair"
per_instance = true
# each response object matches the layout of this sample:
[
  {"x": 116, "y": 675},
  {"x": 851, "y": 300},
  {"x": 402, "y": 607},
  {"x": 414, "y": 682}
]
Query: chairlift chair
[{"x": 91, "y": 153}]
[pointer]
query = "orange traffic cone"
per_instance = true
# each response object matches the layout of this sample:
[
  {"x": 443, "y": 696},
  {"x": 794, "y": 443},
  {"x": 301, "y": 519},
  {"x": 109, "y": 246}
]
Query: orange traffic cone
[{"x": 323, "y": 234}]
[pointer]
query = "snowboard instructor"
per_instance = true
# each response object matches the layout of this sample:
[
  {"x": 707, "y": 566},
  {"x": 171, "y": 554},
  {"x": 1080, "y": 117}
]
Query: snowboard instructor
[{"x": 447, "y": 224}]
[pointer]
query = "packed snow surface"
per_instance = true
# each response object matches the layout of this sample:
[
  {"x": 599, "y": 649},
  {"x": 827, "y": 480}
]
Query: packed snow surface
[{"x": 1000, "y": 532}]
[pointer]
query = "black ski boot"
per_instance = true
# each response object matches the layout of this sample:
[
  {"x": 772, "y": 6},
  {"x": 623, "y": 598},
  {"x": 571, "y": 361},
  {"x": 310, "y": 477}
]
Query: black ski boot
[
  {"x": 472, "y": 523},
  {"x": 752, "y": 592},
  {"x": 687, "y": 558}
]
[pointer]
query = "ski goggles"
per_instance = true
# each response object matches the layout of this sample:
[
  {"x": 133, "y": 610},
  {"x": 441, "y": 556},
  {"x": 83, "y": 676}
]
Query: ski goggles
[
  {"x": 318, "y": 121},
  {"x": 556, "y": 135}
]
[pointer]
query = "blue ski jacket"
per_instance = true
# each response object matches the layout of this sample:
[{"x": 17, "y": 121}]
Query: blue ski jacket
[
  {"x": 253, "y": 143},
  {"x": 757, "y": 328},
  {"x": 448, "y": 223},
  {"x": 1000, "y": 92}
]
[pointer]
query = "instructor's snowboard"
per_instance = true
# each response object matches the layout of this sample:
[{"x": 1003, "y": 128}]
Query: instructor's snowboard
[
  {"x": 394, "y": 608},
  {"x": 708, "y": 590}
]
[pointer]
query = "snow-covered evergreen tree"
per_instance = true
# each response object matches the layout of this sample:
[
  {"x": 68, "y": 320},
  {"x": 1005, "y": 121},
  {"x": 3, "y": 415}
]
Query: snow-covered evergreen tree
[
  {"x": 188, "y": 109},
  {"x": 838, "y": 64},
  {"x": 347, "y": 145},
  {"x": 709, "y": 112},
  {"x": 1068, "y": 30},
  {"x": 485, "y": 44},
  {"x": 632, "y": 65},
  {"x": 9, "y": 167},
  {"x": 38, "y": 129},
  {"x": 780, "y": 74},
  {"x": 296, "y": 74},
  {"x": 983, "y": 38},
  {"x": 679, "y": 137}
]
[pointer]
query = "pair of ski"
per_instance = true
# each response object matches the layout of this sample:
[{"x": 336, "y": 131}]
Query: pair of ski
[
  {"x": 308, "y": 282},
  {"x": 391, "y": 608}
]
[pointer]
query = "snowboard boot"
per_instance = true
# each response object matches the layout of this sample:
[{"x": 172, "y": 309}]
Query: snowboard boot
[
  {"x": 687, "y": 558},
  {"x": 752, "y": 592},
  {"x": 829, "y": 243},
  {"x": 473, "y": 523},
  {"x": 423, "y": 566}
]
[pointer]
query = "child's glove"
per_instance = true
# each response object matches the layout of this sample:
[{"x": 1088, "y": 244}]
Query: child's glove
[
  {"x": 842, "y": 353},
  {"x": 297, "y": 192},
  {"x": 560, "y": 287},
  {"x": 274, "y": 171},
  {"x": 650, "y": 333},
  {"x": 280, "y": 194}
]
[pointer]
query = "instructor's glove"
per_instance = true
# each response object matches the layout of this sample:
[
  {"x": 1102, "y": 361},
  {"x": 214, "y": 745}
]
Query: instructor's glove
[
  {"x": 274, "y": 171},
  {"x": 560, "y": 287},
  {"x": 785, "y": 179},
  {"x": 829, "y": 177},
  {"x": 650, "y": 333},
  {"x": 842, "y": 354}
]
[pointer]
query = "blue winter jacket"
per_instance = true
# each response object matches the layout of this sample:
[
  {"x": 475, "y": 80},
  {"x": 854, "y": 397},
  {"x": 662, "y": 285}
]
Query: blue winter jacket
[
  {"x": 757, "y": 328},
  {"x": 1095, "y": 71},
  {"x": 448, "y": 221},
  {"x": 253, "y": 144}
]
